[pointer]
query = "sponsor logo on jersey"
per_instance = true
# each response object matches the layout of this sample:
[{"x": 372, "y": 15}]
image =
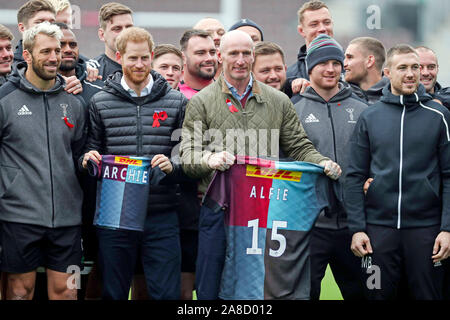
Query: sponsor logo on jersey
[
  {"x": 133, "y": 162},
  {"x": 273, "y": 173}
]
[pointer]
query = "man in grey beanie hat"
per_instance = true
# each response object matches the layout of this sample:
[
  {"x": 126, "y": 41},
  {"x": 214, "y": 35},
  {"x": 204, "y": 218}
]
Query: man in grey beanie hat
[
  {"x": 321, "y": 49},
  {"x": 328, "y": 111}
]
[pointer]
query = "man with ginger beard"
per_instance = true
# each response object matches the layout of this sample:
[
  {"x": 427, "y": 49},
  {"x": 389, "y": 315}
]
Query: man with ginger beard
[{"x": 122, "y": 122}]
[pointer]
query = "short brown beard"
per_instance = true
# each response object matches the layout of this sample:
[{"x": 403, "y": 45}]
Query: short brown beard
[{"x": 40, "y": 71}]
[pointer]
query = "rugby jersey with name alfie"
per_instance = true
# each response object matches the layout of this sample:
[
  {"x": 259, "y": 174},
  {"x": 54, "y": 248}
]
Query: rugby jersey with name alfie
[
  {"x": 269, "y": 210},
  {"x": 122, "y": 190}
]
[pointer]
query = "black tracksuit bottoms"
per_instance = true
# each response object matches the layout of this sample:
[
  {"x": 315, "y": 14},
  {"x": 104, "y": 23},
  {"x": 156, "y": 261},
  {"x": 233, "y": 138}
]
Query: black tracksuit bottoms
[
  {"x": 402, "y": 252},
  {"x": 328, "y": 246}
]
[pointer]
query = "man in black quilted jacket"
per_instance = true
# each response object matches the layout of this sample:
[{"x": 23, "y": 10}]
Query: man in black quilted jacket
[{"x": 136, "y": 114}]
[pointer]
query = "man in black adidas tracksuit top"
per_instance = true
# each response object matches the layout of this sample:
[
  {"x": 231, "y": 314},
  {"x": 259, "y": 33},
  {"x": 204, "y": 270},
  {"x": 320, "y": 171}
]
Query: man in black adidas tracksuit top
[{"x": 403, "y": 222}]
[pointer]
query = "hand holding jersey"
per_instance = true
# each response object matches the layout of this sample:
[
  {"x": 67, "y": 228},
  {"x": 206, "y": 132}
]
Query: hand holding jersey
[
  {"x": 159, "y": 160},
  {"x": 331, "y": 169},
  {"x": 224, "y": 160},
  {"x": 163, "y": 163},
  {"x": 92, "y": 155},
  {"x": 220, "y": 161}
]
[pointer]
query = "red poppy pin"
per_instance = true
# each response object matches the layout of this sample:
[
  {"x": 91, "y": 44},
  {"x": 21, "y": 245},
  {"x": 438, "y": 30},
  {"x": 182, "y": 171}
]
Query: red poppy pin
[
  {"x": 232, "y": 108},
  {"x": 65, "y": 118},
  {"x": 159, "y": 116}
]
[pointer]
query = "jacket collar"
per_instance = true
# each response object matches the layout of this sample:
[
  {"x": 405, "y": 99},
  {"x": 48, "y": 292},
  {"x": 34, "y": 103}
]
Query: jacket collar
[
  {"x": 345, "y": 91},
  {"x": 18, "y": 54},
  {"x": 81, "y": 69},
  {"x": 437, "y": 87},
  {"x": 256, "y": 89},
  {"x": 160, "y": 87},
  {"x": 379, "y": 85},
  {"x": 302, "y": 53},
  {"x": 410, "y": 100}
]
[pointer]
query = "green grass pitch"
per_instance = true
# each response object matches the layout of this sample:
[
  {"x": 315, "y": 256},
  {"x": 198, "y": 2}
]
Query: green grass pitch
[{"x": 330, "y": 290}]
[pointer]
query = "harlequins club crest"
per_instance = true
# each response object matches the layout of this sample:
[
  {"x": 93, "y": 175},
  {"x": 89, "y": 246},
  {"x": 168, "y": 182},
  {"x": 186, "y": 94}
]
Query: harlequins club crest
[
  {"x": 64, "y": 117},
  {"x": 350, "y": 114}
]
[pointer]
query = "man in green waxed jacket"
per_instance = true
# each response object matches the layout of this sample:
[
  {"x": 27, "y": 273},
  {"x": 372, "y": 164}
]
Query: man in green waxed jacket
[{"x": 237, "y": 115}]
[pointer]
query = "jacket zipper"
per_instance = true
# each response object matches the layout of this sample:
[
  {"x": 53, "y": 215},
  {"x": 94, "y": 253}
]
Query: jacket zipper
[
  {"x": 334, "y": 147},
  {"x": 47, "y": 108},
  {"x": 245, "y": 119},
  {"x": 399, "y": 205},
  {"x": 138, "y": 132},
  {"x": 332, "y": 130},
  {"x": 243, "y": 112}
]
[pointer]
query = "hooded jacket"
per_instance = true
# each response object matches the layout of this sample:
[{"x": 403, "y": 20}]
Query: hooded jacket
[
  {"x": 2, "y": 80},
  {"x": 296, "y": 70},
  {"x": 18, "y": 57},
  {"x": 329, "y": 126},
  {"x": 38, "y": 182},
  {"x": 442, "y": 94},
  {"x": 120, "y": 124},
  {"x": 373, "y": 94},
  {"x": 105, "y": 66},
  {"x": 403, "y": 143}
]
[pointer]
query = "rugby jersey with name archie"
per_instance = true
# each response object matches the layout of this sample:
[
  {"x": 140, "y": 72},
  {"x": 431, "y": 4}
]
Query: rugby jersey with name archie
[{"x": 122, "y": 190}]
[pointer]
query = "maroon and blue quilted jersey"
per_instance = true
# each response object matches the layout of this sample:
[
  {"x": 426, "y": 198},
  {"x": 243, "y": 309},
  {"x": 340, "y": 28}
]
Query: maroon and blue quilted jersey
[{"x": 269, "y": 210}]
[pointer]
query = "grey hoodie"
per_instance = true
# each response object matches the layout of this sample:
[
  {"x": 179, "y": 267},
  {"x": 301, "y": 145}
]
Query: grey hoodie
[
  {"x": 329, "y": 126},
  {"x": 2, "y": 80},
  {"x": 38, "y": 182}
]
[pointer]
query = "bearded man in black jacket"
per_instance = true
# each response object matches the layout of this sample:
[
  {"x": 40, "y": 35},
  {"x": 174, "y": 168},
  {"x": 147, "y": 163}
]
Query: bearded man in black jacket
[{"x": 122, "y": 122}]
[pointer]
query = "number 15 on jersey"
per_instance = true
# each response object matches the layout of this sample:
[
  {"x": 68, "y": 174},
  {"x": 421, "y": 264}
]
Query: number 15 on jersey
[{"x": 275, "y": 236}]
